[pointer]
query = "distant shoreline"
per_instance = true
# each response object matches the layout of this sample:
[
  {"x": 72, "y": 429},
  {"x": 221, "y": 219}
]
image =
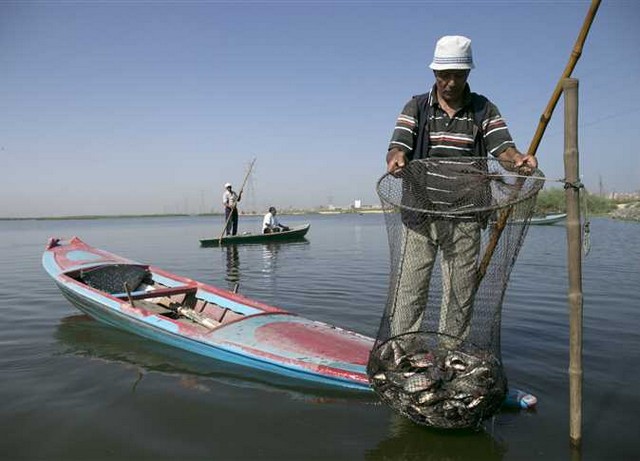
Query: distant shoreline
[
  {"x": 179, "y": 215},
  {"x": 628, "y": 212}
]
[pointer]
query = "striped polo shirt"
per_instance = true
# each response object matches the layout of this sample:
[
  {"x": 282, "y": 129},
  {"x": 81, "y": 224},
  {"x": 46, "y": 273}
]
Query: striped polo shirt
[{"x": 451, "y": 137}]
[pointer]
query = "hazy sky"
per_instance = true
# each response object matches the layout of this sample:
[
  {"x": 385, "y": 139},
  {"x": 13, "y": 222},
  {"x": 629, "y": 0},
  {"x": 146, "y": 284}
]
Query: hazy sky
[{"x": 151, "y": 106}]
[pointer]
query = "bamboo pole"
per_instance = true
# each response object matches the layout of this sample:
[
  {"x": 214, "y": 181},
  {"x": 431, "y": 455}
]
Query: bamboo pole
[
  {"x": 573, "y": 60},
  {"x": 574, "y": 262},
  {"x": 226, "y": 223},
  {"x": 503, "y": 216}
]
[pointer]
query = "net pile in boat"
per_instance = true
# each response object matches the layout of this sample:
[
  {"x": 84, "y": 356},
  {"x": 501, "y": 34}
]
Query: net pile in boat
[
  {"x": 455, "y": 227},
  {"x": 111, "y": 278}
]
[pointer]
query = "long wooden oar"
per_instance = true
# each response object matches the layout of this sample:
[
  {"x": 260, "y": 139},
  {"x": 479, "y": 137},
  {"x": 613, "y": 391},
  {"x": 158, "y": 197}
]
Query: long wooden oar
[
  {"x": 537, "y": 137},
  {"x": 226, "y": 223}
]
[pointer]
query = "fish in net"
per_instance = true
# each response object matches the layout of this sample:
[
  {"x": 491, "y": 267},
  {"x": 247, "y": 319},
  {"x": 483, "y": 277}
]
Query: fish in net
[{"x": 455, "y": 227}]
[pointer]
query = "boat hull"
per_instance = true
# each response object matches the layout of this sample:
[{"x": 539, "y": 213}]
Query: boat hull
[
  {"x": 294, "y": 234},
  {"x": 548, "y": 220},
  {"x": 260, "y": 336}
]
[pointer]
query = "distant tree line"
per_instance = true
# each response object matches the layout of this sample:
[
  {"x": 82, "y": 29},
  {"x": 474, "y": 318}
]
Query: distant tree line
[{"x": 554, "y": 201}]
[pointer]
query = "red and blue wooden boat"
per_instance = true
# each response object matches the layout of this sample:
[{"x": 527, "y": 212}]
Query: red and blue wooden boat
[{"x": 203, "y": 319}]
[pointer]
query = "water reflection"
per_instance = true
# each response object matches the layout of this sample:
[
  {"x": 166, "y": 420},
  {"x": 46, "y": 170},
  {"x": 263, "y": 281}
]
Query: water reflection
[
  {"x": 270, "y": 257},
  {"x": 262, "y": 257},
  {"x": 409, "y": 441},
  {"x": 81, "y": 336},
  {"x": 233, "y": 266}
]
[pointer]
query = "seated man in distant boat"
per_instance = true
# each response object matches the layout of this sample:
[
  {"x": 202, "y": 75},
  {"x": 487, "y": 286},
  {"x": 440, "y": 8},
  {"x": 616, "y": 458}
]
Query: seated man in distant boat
[{"x": 271, "y": 224}]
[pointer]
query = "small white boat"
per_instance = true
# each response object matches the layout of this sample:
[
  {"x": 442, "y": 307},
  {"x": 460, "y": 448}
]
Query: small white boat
[{"x": 548, "y": 219}]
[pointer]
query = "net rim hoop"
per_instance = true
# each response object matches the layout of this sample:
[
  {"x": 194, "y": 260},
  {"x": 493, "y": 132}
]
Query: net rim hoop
[{"x": 536, "y": 175}]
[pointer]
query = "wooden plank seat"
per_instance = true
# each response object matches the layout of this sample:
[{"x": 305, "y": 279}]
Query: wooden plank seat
[
  {"x": 160, "y": 292},
  {"x": 218, "y": 313},
  {"x": 153, "y": 307}
]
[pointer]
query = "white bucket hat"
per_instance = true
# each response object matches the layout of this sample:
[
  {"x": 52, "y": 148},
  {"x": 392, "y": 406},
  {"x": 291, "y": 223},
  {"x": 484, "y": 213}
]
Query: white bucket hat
[
  {"x": 227, "y": 185},
  {"x": 452, "y": 52}
]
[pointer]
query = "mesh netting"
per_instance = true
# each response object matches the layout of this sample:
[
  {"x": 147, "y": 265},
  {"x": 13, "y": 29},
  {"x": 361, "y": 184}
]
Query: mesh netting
[
  {"x": 112, "y": 278},
  {"x": 455, "y": 227}
]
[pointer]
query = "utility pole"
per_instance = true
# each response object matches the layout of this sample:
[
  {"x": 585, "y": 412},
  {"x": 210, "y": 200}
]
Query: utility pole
[{"x": 600, "y": 187}]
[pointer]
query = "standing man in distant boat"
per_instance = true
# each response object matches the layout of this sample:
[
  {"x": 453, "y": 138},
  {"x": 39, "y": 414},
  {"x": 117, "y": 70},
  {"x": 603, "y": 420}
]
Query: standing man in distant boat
[
  {"x": 448, "y": 121},
  {"x": 230, "y": 201}
]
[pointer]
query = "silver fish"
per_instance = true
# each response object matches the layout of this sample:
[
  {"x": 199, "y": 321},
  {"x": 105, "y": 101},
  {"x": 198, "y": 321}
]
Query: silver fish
[
  {"x": 398, "y": 352},
  {"x": 391, "y": 351},
  {"x": 428, "y": 398},
  {"x": 480, "y": 374},
  {"x": 467, "y": 359},
  {"x": 400, "y": 378},
  {"x": 475, "y": 402},
  {"x": 422, "y": 360},
  {"x": 465, "y": 386},
  {"x": 456, "y": 362},
  {"x": 418, "y": 382},
  {"x": 461, "y": 396}
]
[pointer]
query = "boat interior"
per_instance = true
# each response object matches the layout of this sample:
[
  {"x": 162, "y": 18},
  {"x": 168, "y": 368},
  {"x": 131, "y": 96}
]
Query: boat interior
[{"x": 136, "y": 283}]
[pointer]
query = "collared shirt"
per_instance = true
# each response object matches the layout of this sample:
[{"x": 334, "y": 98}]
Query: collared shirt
[
  {"x": 229, "y": 199},
  {"x": 451, "y": 137},
  {"x": 270, "y": 221}
]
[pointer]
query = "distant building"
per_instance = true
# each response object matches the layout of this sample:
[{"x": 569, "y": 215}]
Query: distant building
[
  {"x": 357, "y": 204},
  {"x": 624, "y": 195}
]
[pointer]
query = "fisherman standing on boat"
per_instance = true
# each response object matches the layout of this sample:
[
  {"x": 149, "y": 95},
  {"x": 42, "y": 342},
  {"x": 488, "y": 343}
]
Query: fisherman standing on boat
[
  {"x": 449, "y": 121},
  {"x": 230, "y": 201},
  {"x": 271, "y": 224}
]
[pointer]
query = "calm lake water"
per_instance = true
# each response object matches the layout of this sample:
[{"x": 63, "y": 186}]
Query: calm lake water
[{"x": 74, "y": 389}]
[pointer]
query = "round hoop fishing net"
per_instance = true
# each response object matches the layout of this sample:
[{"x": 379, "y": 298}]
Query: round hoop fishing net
[{"x": 455, "y": 226}]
